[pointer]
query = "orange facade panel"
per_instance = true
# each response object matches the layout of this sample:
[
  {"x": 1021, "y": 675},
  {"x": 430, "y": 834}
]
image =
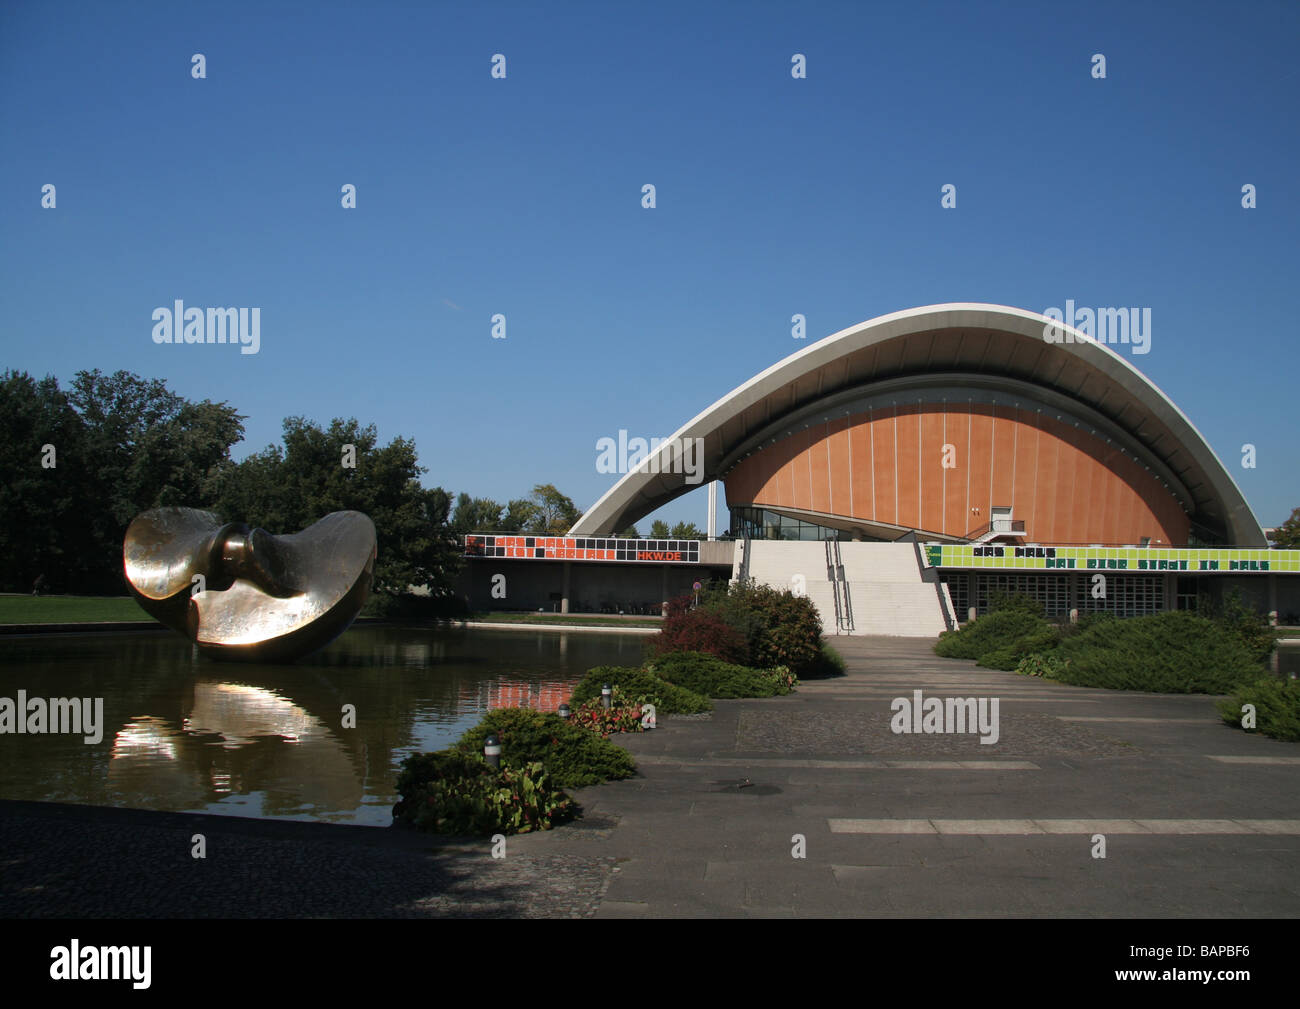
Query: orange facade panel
[
  {"x": 931, "y": 454},
  {"x": 884, "y": 472},
  {"x": 886, "y": 465},
  {"x": 837, "y": 453},
  {"x": 1003, "y": 457},
  {"x": 908, "y": 465},
  {"x": 956, "y": 478}
]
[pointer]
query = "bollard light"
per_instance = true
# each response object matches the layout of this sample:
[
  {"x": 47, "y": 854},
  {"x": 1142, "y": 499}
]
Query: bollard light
[
  {"x": 492, "y": 751},
  {"x": 563, "y": 711},
  {"x": 606, "y": 696}
]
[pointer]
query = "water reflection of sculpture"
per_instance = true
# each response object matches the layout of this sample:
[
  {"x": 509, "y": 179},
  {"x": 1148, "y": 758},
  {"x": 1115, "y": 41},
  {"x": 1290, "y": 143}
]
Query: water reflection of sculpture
[
  {"x": 241, "y": 593},
  {"x": 235, "y": 740}
]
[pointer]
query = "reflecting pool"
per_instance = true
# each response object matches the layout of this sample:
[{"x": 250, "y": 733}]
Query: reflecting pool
[{"x": 184, "y": 733}]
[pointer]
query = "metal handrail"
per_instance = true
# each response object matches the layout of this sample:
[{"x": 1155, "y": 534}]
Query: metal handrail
[
  {"x": 835, "y": 590},
  {"x": 1017, "y": 527},
  {"x": 848, "y": 601}
]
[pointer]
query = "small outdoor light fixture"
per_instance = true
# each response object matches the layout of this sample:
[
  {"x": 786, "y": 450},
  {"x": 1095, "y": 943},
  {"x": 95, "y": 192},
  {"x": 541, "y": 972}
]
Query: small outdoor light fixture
[
  {"x": 563, "y": 711},
  {"x": 492, "y": 751},
  {"x": 606, "y": 696}
]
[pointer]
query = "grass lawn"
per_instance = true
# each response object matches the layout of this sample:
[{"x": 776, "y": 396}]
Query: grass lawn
[
  {"x": 566, "y": 618},
  {"x": 68, "y": 609}
]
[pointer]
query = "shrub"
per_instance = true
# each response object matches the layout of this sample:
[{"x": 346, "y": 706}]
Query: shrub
[
  {"x": 1018, "y": 601},
  {"x": 995, "y": 630},
  {"x": 1175, "y": 652},
  {"x": 623, "y": 715},
  {"x": 1277, "y": 707},
  {"x": 667, "y": 698},
  {"x": 572, "y": 756},
  {"x": 766, "y": 628},
  {"x": 1244, "y": 624},
  {"x": 790, "y": 629},
  {"x": 698, "y": 630},
  {"x": 1046, "y": 665},
  {"x": 454, "y": 793},
  {"x": 1008, "y": 656},
  {"x": 829, "y": 663},
  {"x": 710, "y": 676}
]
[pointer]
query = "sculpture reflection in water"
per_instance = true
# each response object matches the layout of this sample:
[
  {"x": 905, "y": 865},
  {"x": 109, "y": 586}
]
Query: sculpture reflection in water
[{"x": 241, "y": 593}]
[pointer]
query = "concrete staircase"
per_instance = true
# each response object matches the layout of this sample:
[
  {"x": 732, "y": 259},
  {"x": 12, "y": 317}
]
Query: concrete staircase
[{"x": 888, "y": 593}]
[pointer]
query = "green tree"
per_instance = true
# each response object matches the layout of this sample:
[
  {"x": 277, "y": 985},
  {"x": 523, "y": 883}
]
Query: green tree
[
  {"x": 43, "y": 513},
  {"x": 686, "y": 531},
  {"x": 122, "y": 444},
  {"x": 475, "y": 515},
  {"x": 629, "y": 533},
  {"x": 520, "y": 515},
  {"x": 556, "y": 513},
  {"x": 287, "y": 490},
  {"x": 659, "y": 530},
  {"x": 1288, "y": 533}
]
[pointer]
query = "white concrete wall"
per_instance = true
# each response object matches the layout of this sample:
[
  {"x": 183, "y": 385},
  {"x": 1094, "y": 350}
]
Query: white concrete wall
[{"x": 888, "y": 593}]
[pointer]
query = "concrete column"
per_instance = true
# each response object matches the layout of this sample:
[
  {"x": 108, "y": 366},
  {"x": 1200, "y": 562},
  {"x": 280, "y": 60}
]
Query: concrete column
[
  {"x": 564, "y": 588},
  {"x": 713, "y": 510}
]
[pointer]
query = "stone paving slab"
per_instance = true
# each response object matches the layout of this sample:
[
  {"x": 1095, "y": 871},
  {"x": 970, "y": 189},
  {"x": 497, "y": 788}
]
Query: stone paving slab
[
  {"x": 826, "y": 754},
  {"x": 1199, "y": 819}
]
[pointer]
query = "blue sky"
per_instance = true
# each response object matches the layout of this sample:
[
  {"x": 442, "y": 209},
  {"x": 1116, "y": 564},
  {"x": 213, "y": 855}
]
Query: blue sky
[{"x": 522, "y": 196}]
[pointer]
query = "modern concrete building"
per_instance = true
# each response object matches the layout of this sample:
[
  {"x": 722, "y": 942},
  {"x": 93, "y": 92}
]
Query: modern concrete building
[{"x": 1001, "y": 438}]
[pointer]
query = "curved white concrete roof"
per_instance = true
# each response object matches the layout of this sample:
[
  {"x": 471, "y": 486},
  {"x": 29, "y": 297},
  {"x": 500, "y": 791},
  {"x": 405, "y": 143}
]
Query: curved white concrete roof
[{"x": 989, "y": 341}]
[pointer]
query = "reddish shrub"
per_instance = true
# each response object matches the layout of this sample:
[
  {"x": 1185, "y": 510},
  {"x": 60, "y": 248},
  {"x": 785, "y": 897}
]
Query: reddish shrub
[{"x": 698, "y": 630}]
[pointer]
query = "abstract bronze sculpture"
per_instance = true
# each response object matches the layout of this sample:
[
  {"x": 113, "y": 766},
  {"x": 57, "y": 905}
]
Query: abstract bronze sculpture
[{"x": 241, "y": 593}]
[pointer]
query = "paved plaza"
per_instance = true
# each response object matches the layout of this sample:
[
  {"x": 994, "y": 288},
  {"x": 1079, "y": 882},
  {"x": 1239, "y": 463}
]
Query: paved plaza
[{"x": 1199, "y": 820}]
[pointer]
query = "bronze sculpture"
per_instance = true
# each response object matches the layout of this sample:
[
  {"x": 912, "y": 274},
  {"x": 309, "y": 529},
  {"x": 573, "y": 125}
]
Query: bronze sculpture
[{"x": 241, "y": 593}]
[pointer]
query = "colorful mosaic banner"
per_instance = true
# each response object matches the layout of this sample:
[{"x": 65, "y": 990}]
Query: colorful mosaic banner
[
  {"x": 1201, "y": 560},
  {"x": 582, "y": 548}
]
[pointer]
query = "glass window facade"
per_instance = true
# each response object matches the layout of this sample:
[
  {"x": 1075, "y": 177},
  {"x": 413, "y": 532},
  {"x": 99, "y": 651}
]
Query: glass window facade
[{"x": 761, "y": 524}]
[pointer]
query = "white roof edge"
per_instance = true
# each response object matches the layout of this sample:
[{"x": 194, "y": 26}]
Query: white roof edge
[{"x": 894, "y": 324}]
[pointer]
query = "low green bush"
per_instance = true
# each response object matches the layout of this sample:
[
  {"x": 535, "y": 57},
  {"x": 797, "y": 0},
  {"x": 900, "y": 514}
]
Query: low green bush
[
  {"x": 449, "y": 792},
  {"x": 573, "y": 756},
  {"x": 829, "y": 663},
  {"x": 1246, "y": 625},
  {"x": 1277, "y": 707},
  {"x": 1176, "y": 652},
  {"x": 1044, "y": 664},
  {"x": 623, "y": 714},
  {"x": 1008, "y": 656},
  {"x": 667, "y": 698},
  {"x": 996, "y": 630},
  {"x": 1019, "y": 601},
  {"x": 710, "y": 676}
]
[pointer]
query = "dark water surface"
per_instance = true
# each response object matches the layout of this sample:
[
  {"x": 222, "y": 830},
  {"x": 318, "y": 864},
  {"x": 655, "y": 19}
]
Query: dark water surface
[{"x": 184, "y": 733}]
